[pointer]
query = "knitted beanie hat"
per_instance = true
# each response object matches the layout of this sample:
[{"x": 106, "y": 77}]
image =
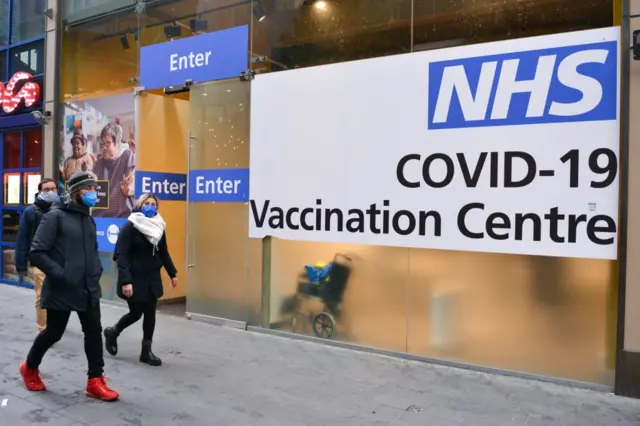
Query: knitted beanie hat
[{"x": 80, "y": 180}]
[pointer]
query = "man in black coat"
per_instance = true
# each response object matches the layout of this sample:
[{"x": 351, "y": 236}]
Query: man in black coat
[{"x": 65, "y": 248}]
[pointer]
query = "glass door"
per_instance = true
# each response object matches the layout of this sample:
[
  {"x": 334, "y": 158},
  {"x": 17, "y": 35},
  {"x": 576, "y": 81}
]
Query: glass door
[{"x": 217, "y": 243}]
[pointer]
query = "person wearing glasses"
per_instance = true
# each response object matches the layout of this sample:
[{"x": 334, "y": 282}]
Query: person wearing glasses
[
  {"x": 116, "y": 164},
  {"x": 29, "y": 221}
]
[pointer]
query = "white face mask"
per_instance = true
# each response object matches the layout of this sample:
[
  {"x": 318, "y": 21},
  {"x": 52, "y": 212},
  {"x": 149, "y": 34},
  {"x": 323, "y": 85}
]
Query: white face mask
[{"x": 49, "y": 197}]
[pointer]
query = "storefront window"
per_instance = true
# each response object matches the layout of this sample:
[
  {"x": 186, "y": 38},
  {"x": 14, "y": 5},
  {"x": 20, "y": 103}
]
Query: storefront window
[
  {"x": 27, "y": 19},
  {"x": 22, "y": 159},
  {"x": 3, "y": 65},
  {"x": 10, "y": 221},
  {"x": 4, "y": 22},
  {"x": 11, "y": 150},
  {"x": 469, "y": 307},
  {"x": 28, "y": 57},
  {"x": 9, "y": 270},
  {"x": 32, "y": 149}
]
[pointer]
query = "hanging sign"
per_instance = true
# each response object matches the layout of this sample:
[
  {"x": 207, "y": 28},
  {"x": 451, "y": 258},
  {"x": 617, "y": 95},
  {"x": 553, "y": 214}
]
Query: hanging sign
[
  {"x": 20, "y": 88},
  {"x": 206, "y": 57},
  {"x": 507, "y": 147}
]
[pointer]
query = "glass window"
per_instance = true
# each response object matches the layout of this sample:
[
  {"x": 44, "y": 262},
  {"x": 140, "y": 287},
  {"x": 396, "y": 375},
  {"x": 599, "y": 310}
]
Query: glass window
[
  {"x": 32, "y": 149},
  {"x": 30, "y": 186},
  {"x": 28, "y": 57},
  {"x": 11, "y": 189},
  {"x": 3, "y": 64},
  {"x": 9, "y": 271},
  {"x": 11, "y": 150},
  {"x": 4, "y": 22},
  {"x": 27, "y": 19},
  {"x": 10, "y": 221}
]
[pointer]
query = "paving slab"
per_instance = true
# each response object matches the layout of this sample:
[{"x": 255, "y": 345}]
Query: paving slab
[{"x": 224, "y": 376}]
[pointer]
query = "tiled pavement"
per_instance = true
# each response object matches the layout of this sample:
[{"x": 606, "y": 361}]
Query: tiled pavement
[{"x": 223, "y": 376}]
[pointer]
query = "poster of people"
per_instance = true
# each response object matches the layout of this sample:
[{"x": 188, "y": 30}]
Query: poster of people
[{"x": 99, "y": 137}]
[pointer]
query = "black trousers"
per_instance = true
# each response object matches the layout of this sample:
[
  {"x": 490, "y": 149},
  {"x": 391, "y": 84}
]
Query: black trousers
[
  {"x": 56, "y": 325},
  {"x": 136, "y": 311}
]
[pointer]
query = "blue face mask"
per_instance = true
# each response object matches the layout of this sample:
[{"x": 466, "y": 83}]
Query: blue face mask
[
  {"x": 90, "y": 199},
  {"x": 148, "y": 210},
  {"x": 49, "y": 197}
]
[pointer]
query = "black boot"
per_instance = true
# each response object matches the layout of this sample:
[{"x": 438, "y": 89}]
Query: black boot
[
  {"x": 111, "y": 340},
  {"x": 147, "y": 355}
]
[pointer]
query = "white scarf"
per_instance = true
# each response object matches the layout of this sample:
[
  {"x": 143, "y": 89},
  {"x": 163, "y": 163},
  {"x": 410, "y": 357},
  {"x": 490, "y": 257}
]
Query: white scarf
[{"x": 151, "y": 227}]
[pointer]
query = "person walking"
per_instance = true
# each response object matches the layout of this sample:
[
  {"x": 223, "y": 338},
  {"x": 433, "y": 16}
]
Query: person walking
[
  {"x": 29, "y": 221},
  {"x": 65, "y": 248},
  {"x": 141, "y": 251}
]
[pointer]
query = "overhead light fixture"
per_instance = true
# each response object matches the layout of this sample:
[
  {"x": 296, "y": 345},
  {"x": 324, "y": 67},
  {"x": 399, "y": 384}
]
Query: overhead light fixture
[
  {"x": 125, "y": 42},
  {"x": 258, "y": 11},
  {"x": 320, "y": 4},
  {"x": 198, "y": 25},
  {"x": 172, "y": 31}
]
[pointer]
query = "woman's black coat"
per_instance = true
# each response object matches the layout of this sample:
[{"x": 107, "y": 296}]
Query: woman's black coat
[{"x": 139, "y": 264}]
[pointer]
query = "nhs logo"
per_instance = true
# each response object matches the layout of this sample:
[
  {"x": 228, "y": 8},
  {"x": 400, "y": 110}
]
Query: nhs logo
[{"x": 554, "y": 85}]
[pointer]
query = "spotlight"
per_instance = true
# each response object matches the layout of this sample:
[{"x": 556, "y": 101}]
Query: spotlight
[
  {"x": 125, "y": 42},
  {"x": 198, "y": 25},
  {"x": 258, "y": 11},
  {"x": 172, "y": 31}
]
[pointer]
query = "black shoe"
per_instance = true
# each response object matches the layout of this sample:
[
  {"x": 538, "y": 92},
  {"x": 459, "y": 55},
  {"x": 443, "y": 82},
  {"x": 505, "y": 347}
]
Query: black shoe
[
  {"x": 147, "y": 355},
  {"x": 111, "y": 340}
]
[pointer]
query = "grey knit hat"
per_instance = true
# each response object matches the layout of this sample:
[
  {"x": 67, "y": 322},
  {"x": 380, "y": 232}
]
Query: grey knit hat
[{"x": 80, "y": 180}]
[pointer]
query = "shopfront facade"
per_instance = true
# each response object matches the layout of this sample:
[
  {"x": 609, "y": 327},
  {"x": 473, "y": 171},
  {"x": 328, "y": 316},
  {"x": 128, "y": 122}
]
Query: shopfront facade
[
  {"x": 537, "y": 311},
  {"x": 22, "y": 51}
]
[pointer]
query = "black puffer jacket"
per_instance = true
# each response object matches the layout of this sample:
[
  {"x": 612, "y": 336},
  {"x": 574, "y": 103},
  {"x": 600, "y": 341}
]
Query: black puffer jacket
[
  {"x": 65, "y": 248},
  {"x": 139, "y": 264}
]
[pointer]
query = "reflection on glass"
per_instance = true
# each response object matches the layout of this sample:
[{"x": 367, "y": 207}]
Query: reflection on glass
[
  {"x": 28, "y": 57},
  {"x": 9, "y": 271},
  {"x": 11, "y": 150},
  {"x": 3, "y": 63},
  {"x": 32, "y": 148},
  {"x": 439, "y": 24},
  {"x": 528, "y": 313},
  {"x": 10, "y": 221},
  {"x": 363, "y": 301},
  {"x": 12, "y": 188},
  {"x": 4, "y": 22},
  {"x": 302, "y": 34},
  {"x": 219, "y": 281},
  {"x": 27, "y": 19},
  {"x": 31, "y": 182}
]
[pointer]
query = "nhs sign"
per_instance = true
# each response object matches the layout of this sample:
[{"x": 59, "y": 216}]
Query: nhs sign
[{"x": 560, "y": 84}]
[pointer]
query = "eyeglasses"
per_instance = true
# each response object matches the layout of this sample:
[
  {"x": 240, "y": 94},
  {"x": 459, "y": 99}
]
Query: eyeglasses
[{"x": 106, "y": 143}]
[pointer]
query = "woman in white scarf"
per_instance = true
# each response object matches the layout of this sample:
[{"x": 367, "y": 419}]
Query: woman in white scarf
[{"x": 141, "y": 251}]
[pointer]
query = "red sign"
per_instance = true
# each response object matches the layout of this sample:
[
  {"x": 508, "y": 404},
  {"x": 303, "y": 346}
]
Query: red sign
[{"x": 29, "y": 92}]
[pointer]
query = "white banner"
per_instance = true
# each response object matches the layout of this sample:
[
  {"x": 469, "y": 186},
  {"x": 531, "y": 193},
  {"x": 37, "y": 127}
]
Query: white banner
[{"x": 508, "y": 147}]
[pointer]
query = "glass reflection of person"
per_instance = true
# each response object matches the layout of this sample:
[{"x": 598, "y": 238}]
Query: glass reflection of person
[
  {"x": 117, "y": 166},
  {"x": 80, "y": 159}
]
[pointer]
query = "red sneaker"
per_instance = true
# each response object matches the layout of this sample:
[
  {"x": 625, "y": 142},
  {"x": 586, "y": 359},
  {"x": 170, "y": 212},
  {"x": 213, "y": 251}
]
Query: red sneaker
[
  {"x": 31, "y": 378},
  {"x": 97, "y": 388}
]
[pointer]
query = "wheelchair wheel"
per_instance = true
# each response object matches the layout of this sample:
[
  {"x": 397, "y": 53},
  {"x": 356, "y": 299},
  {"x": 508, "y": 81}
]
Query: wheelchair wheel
[{"x": 324, "y": 325}]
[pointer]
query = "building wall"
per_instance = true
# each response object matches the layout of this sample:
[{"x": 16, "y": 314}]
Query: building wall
[
  {"x": 628, "y": 373},
  {"x": 22, "y": 48},
  {"x": 553, "y": 316}
]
